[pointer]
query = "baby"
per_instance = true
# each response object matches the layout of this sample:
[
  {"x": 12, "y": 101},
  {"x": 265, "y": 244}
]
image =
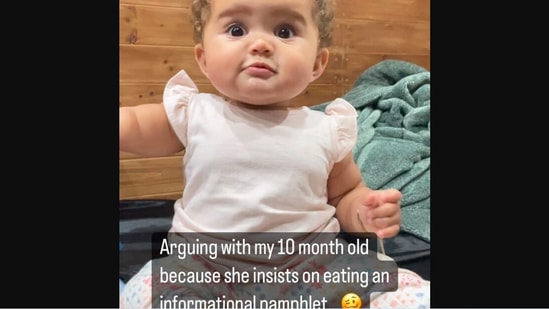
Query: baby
[{"x": 255, "y": 163}]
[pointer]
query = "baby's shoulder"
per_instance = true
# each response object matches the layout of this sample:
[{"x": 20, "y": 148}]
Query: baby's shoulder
[
  {"x": 340, "y": 108},
  {"x": 180, "y": 85},
  {"x": 345, "y": 116}
]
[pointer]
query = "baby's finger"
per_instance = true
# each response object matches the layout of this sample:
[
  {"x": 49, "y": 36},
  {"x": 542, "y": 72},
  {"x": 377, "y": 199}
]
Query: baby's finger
[
  {"x": 389, "y": 196},
  {"x": 388, "y": 232},
  {"x": 371, "y": 200},
  {"x": 385, "y": 210},
  {"x": 384, "y": 222}
]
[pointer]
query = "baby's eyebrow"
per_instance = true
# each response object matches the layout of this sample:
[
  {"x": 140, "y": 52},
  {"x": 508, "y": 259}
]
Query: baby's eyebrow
[
  {"x": 244, "y": 10},
  {"x": 235, "y": 11},
  {"x": 289, "y": 14}
]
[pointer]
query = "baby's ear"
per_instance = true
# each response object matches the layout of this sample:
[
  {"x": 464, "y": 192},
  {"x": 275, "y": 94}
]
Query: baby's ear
[
  {"x": 321, "y": 62},
  {"x": 200, "y": 58}
]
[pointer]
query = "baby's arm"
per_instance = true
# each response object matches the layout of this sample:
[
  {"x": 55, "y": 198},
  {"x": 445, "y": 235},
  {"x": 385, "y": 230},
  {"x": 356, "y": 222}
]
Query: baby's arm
[
  {"x": 145, "y": 130},
  {"x": 379, "y": 210}
]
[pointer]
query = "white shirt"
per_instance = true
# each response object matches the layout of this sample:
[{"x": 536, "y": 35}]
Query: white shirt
[{"x": 252, "y": 170}]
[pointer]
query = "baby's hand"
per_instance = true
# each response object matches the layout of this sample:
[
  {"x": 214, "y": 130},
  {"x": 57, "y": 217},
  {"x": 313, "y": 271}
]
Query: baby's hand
[{"x": 379, "y": 212}]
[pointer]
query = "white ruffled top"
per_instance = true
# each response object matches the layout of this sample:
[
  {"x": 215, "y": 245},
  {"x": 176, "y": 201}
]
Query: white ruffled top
[{"x": 250, "y": 170}]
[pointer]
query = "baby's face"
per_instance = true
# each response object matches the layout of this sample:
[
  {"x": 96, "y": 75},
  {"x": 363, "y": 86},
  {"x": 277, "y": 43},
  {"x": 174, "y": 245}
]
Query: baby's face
[{"x": 261, "y": 52}]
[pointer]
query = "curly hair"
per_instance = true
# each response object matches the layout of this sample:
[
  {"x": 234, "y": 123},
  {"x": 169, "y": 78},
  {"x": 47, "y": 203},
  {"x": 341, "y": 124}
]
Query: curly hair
[{"x": 323, "y": 13}]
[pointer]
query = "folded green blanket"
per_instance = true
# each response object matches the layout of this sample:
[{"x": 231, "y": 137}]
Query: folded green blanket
[{"x": 392, "y": 99}]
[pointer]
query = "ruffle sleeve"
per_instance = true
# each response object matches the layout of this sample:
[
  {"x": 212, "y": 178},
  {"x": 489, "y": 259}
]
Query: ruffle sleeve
[
  {"x": 177, "y": 95},
  {"x": 346, "y": 120}
]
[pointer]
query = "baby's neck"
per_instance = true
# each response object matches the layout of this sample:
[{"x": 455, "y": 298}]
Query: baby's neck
[{"x": 277, "y": 106}]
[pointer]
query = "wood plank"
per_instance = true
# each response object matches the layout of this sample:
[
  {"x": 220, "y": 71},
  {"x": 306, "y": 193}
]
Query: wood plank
[
  {"x": 157, "y": 64},
  {"x": 402, "y": 10},
  {"x": 126, "y": 155},
  {"x": 357, "y": 9},
  {"x": 160, "y": 196},
  {"x": 387, "y": 37},
  {"x": 356, "y": 64},
  {"x": 145, "y": 25},
  {"x": 317, "y": 94},
  {"x": 150, "y": 176},
  {"x": 163, "y": 3},
  {"x": 135, "y": 94}
]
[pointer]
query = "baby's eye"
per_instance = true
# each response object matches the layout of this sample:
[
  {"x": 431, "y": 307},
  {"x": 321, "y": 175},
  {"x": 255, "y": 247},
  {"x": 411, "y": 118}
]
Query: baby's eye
[
  {"x": 236, "y": 30},
  {"x": 284, "y": 32}
]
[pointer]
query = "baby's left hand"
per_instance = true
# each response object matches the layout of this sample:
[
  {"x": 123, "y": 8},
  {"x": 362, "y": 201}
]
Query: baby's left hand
[{"x": 379, "y": 212}]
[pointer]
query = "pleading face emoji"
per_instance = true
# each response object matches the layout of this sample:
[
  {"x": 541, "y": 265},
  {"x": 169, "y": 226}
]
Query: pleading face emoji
[{"x": 351, "y": 300}]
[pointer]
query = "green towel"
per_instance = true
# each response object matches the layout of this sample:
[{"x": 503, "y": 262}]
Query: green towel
[{"x": 393, "y": 149}]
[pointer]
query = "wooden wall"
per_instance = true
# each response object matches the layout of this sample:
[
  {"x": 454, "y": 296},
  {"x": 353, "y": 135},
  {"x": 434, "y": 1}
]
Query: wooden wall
[{"x": 156, "y": 42}]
